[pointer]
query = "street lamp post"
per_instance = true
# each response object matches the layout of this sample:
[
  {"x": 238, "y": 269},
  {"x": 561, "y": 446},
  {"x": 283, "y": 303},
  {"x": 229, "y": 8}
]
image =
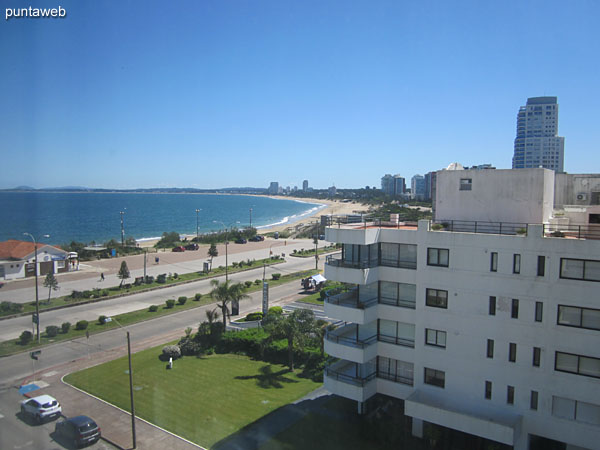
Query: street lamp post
[
  {"x": 37, "y": 298},
  {"x": 226, "y": 243},
  {"x": 122, "y": 229},
  {"x": 133, "y": 436},
  {"x": 197, "y": 226},
  {"x": 250, "y": 217}
]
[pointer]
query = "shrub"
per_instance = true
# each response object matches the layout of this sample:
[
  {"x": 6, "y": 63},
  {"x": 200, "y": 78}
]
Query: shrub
[
  {"x": 26, "y": 337},
  {"x": 149, "y": 279},
  {"x": 52, "y": 330},
  {"x": 65, "y": 327},
  {"x": 153, "y": 308},
  {"x": 181, "y": 300},
  {"x": 257, "y": 282},
  {"x": 10, "y": 308},
  {"x": 170, "y": 303},
  {"x": 81, "y": 325},
  {"x": 197, "y": 297},
  {"x": 254, "y": 316},
  {"x": 234, "y": 264},
  {"x": 522, "y": 231},
  {"x": 248, "y": 283},
  {"x": 436, "y": 226},
  {"x": 558, "y": 233},
  {"x": 86, "y": 294},
  {"x": 102, "y": 319},
  {"x": 275, "y": 310},
  {"x": 175, "y": 275},
  {"x": 162, "y": 278},
  {"x": 105, "y": 292},
  {"x": 276, "y": 276},
  {"x": 171, "y": 351}
]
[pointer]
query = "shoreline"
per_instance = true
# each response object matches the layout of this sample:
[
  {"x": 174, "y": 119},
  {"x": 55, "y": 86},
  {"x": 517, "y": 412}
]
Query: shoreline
[{"x": 327, "y": 207}]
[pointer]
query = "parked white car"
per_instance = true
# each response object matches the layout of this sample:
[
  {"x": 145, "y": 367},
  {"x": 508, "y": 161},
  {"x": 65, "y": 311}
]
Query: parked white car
[{"x": 41, "y": 407}]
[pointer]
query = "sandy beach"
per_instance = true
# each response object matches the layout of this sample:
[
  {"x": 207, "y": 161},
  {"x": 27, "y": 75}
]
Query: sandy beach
[{"x": 335, "y": 207}]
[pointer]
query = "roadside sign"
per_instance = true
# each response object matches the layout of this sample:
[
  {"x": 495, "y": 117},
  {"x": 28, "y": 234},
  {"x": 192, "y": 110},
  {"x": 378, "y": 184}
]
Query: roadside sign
[
  {"x": 35, "y": 354},
  {"x": 87, "y": 334},
  {"x": 34, "y": 318}
]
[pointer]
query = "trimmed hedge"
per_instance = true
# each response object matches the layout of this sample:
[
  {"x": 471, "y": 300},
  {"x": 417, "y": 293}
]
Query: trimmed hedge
[
  {"x": 170, "y": 303},
  {"x": 153, "y": 308},
  {"x": 181, "y": 300},
  {"x": 81, "y": 325}
]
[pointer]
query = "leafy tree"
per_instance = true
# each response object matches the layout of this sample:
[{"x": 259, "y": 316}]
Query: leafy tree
[
  {"x": 51, "y": 283},
  {"x": 212, "y": 252},
  {"x": 226, "y": 293},
  {"x": 297, "y": 328},
  {"x": 123, "y": 273},
  {"x": 168, "y": 240}
]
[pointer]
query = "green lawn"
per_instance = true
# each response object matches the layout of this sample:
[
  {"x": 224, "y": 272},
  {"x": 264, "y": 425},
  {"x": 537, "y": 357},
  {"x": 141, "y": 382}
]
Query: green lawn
[{"x": 202, "y": 399}]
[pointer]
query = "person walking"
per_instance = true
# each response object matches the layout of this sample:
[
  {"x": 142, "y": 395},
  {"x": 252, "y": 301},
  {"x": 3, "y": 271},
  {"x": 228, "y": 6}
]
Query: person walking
[{"x": 102, "y": 276}]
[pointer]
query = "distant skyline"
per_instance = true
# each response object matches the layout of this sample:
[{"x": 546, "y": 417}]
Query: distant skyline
[{"x": 217, "y": 94}]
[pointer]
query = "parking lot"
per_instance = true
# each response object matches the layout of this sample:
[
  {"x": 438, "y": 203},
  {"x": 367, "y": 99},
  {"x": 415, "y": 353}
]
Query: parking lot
[{"x": 23, "y": 433}]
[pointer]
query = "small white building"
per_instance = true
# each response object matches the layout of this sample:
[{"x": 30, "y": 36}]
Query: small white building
[
  {"x": 484, "y": 328},
  {"x": 17, "y": 259}
]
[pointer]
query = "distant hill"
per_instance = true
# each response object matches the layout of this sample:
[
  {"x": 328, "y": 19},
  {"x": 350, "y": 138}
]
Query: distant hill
[{"x": 229, "y": 190}]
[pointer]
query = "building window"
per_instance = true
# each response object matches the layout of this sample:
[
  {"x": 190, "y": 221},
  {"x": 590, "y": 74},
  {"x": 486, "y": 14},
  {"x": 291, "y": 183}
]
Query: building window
[
  {"x": 490, "y": 348},
  {"x": 494, "y": 262},
  {"x": 510, "y": 395},
  {"x": 438, "y": 257},
  {"x": 512, "y": 352},
  {"x": 577, "y": 364},
  {"x": 435, "y": 377},
  {"x": 533, "y": 402},
  {"x": 465, "y": 184},
  {"x": 566, "y": 408},
  {"x": 537, "y": 353},
  {"x": 492, "y": 308},
  {"x": 435, "y": 338},
  {"x": 514, "y": 310},
  {"x": 572, "y": 316},
  {"x": 539, "y": 311},
  {"x": 580, "y": 269},
  {"x": 436, "y": 298},
  {"x": 541, "y": 266},
  {"x": 516, "y": 263},
  {"x": 488, "y": 390}
]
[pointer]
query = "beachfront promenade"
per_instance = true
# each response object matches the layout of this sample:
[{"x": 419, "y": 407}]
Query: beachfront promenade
[{"x": 12, "y": 328}]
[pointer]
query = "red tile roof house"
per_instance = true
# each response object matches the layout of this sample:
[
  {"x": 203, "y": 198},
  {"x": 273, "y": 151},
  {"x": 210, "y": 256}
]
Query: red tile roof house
[{"x": 17, "y": 259}]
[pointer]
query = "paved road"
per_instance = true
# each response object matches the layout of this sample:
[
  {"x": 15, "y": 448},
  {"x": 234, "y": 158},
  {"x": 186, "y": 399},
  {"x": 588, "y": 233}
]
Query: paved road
[{"x": 22, "y": 291}]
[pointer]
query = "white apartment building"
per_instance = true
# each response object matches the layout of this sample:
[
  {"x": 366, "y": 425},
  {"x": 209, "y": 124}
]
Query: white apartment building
[{"x": 489, "y": 328}]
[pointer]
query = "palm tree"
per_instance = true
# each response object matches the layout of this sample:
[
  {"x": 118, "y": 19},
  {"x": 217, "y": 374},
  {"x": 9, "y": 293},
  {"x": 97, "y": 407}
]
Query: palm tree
[
  {"x": 297, "y": 328},
  {"x": 212, "y": 252},
  {"x": 225, "y": 293},
  {"x": 51, "y": 283}
]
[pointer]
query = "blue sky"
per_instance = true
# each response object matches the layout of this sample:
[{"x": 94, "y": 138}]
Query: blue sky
[{"x": 208, "y": 94}]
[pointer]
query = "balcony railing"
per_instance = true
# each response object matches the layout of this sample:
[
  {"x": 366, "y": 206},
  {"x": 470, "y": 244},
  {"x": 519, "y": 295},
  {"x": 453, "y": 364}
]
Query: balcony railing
[
  {"x": 350, "y": 299},
  {"x": 396, "y": 340},
  {"x": 342, "y": 336},
  {"x": 396, "y": 378},
  {"x": 337, "y": 261},
  {"x": 342, "y": 374},
  {"x": 470, "y": 226},
  {"x": 591, "y": 231}
]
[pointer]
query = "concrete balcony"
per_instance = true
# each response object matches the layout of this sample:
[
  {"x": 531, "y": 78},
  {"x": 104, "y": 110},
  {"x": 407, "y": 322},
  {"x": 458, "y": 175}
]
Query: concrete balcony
[
  {"x": 350, "y": 380},
  {"x": 348, "y": 307},
  {"x": 351, "y": 344},
  {"x": 354, "y": 272}
]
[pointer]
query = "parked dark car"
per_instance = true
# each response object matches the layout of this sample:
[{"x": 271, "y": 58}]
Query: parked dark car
[
  {"x": 178, "y": 249},
  {"x": 257, "y": 238},
  {"x": 241, "y": 241},
  {"x": 81, "y": 430},
  {"x": 193, "y": 246}
]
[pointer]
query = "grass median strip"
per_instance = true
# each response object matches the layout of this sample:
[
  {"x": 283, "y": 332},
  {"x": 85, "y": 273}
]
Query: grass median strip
[
  {"x": 201, "y": 399},
  {"x": 14, "y": 346}
]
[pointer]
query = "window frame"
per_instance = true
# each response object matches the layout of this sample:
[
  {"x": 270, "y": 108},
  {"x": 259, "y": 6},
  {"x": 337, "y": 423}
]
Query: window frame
[
  {"x": 514, "y": 308},
  {"x": 487, "y": 394},
  {"x": 510, "y": 395},
  {"x": 578, "y": 364},
  {"x": 489, "y": 351},
  {"x": 437, "y": 257},
  {"x": 581, "y": 310},
  {"x": 539, "y": 312},
  {"x": 512, "y": 352},
  {"x": 444, "y": 305},
  {"x": 533, "y": 400},
  {"x": 436, "y": 339},
  {"x": 433, "y": 376},
  {"x": 492, "y": 306},
  {"x": 541, "y": 265},
  {"x": 537, "y": 357},
  {"x": 494, "y": 262},
  {"x": 583, "y": 278},
  {"x": 517, "y": 263}
]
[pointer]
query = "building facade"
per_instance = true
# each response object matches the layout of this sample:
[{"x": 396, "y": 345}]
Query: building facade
[
  {"x": 537, "y": 143},
  {"x": 17, "y": 260},
  {"x": 489, "y": 330},
  {"x": 305, "y": 185},
  {"x": 273, "y": 188},
  {"x": 417, "y": 185}
]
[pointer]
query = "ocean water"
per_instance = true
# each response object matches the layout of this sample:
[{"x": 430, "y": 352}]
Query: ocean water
[{"x": 87, "y": 217}]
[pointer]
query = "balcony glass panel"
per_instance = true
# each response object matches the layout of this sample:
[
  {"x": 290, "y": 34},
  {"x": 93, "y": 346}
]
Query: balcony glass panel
[
  {"x": 395, "y": 370},
  {"x": 351, "y": 299},
  {"x": 397, "y": 333},
  {"x": 353, "y": 336},
  {"x": 398, "y": 294},
  {"x": 352, "y": 373}
]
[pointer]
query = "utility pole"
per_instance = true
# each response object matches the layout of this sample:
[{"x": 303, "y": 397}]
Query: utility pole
[
  {"x": 145, "y": 255},
  {"x": 37, "y": 298},
  {"x": 197, "y": 226},
  {"x": 250, "y": 217},
  {"x": 131, "y": 392},
  {"x": 122, "y": 229},
  {"x": 316, "y": 240}
]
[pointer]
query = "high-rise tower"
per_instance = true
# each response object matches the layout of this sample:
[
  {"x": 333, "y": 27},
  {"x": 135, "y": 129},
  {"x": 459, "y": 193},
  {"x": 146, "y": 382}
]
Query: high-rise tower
[{"x": 537, "y": 143}]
